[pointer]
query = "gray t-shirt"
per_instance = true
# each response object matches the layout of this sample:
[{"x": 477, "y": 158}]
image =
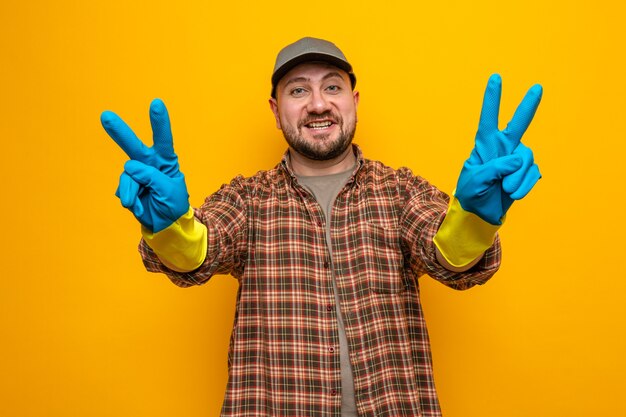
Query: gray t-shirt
[{"x": 325, "y": 188}]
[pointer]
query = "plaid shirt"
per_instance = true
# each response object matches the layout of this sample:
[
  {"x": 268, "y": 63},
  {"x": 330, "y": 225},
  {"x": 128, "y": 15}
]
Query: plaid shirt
[{"x": 269, "y": 233}]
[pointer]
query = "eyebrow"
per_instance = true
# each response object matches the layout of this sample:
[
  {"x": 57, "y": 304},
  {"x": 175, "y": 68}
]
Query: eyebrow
[{"x": 304, "y": 79}]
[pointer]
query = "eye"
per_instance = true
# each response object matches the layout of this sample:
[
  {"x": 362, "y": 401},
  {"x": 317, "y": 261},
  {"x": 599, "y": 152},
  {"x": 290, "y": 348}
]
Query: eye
[
  {"x": 298, "y": 91},
  {"x": 333, "y": 88}
]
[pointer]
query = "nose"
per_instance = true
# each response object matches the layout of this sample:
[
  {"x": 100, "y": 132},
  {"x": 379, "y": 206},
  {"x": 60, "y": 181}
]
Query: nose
[{"x": 318, "y": 103}]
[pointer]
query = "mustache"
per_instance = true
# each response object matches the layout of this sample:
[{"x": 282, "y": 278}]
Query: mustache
[{"x": 321, "y": 116}]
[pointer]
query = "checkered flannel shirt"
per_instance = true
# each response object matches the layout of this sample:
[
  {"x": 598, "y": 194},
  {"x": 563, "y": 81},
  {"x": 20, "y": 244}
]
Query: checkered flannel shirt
[{"x": 268, "y": 232}]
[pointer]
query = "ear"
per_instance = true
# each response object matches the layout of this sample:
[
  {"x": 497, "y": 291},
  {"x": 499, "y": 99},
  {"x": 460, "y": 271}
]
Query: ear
[
  {"x": 356, "y": 96},
  {"x": 274, "y": 107}
]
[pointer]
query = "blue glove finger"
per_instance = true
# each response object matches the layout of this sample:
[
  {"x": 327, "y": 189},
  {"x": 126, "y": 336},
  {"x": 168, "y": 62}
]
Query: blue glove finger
[
  {"x": 530, "y": 179},
  {"x": 512, "y": 182},
  {"x": 128, "y": 192},
  {"x": 489, "y": 143},
  {"x": 161, "y": 129},
  {"x": 491, "y": 104},
  {"x": 524, "y": 114},
  {"x": 123, "y": 135},
  {"x": 496, "y": 169},
  {"x": 162, "y": 137},
  {"x": 476, "y": 180},
  {"x": 145, "y": 175}
]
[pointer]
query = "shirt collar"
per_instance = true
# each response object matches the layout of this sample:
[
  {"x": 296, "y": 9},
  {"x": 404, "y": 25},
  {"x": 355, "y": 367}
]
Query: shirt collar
[{"x": 286, "y": 164}]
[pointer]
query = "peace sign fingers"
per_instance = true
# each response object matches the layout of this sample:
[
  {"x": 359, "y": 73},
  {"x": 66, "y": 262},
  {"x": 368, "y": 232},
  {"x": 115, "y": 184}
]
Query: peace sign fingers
[{"x": 490, "y": 141}]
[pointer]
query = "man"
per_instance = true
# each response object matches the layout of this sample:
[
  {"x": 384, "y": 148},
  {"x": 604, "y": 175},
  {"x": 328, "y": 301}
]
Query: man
[{"x": 328, "y": 246}]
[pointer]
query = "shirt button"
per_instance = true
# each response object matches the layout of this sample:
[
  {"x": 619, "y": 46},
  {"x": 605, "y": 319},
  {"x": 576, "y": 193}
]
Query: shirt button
[
  {"x": 329, "y": 307},
  {"x": 333, "y": 392},
  {"x": 326, "y": 265},
  {"x": 331, "y": 349}
]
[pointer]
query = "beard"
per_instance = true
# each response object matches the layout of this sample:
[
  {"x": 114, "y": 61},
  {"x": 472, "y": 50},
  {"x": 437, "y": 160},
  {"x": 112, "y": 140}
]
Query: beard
[{"x": 323, "y": 147}]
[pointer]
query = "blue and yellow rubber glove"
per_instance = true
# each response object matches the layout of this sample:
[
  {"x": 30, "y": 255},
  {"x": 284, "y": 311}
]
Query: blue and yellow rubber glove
[
  {"x": 499, "y": 170},
  {"x": 154, "y": 190}
]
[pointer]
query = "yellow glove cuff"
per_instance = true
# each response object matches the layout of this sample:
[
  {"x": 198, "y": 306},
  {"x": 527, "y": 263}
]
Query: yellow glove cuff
[
  {"x": 463, "y": 236},
  {"x": 182, "y": 245}
]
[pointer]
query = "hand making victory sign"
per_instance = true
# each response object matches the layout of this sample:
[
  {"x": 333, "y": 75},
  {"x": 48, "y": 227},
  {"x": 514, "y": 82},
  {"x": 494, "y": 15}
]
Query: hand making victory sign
[
  {"x": 500, "y": 168},
  {"x": 151, "y": 186}
]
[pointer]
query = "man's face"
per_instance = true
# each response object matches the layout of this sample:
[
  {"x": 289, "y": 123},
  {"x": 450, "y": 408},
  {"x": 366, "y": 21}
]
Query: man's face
[{"x": 315, "y": 108}]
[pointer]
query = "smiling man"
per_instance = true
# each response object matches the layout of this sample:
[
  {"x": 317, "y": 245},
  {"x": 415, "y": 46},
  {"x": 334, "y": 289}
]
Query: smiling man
[{"x": 328, "y": 246}]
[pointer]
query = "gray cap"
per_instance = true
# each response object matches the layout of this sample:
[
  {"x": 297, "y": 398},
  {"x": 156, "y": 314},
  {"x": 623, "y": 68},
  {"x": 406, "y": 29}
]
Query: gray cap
[{"x": 306, "y": 50}]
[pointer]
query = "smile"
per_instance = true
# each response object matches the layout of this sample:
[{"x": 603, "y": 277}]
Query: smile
[{"x": 319, "y": 125}]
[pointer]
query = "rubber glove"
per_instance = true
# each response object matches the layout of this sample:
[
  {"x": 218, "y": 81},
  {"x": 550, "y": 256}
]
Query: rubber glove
[
  {"x": 154, "y": 190},
  {"x": 151, "y": 186},
  {"x": 499, "y": 170}
]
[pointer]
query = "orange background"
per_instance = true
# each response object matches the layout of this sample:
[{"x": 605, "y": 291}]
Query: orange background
[{"x": 86, "y": 332}]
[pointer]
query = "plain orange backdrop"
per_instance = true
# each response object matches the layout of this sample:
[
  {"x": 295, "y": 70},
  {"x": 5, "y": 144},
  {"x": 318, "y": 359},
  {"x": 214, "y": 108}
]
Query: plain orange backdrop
[{"x": 85, "y": 331}]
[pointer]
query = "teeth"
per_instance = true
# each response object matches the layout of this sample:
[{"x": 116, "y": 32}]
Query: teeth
[{"x": 319, "y": 125}]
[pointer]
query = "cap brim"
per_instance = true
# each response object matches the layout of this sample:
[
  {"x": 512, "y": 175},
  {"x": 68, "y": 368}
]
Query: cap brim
[{"x": 310, "y": 57}]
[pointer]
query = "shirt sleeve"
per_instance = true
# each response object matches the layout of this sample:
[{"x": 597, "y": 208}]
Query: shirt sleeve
[
  {"x": 224, "y": 215},
  {"x": 424, "y": 207}
]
